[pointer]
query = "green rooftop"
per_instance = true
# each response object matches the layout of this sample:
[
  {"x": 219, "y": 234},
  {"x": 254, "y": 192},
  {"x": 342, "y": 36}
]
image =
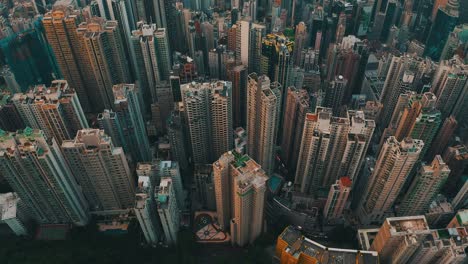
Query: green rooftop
[
  {"x": 162, "y": 198},
  {"x": 40, "y": 151},
  {"x": 240, "y": 160},
  {"x": 28, "y": 131},
  {"x": 443, "y": 233}
]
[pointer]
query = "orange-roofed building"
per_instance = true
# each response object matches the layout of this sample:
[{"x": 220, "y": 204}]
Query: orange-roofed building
[{"x": 292, "y": 247}]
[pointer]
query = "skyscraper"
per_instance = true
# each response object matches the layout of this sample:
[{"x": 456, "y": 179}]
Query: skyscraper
[
  {"x": 223, "y": 194},
  {"x": 55, "y": 110},
  {"x": 101, "y": 170},
  {"x": 102, "y": 58},
  {"x": 25, "y": 49},
  {"x": 443, "y": 137},
  {"x": 168, "y": 210},
  {"x": 335, "y": 93},
  {"x": 331, "y": 147},
  {"x": 38, "y": 173},
  {"x": 395, "y": 162},
  {"x": 257, "y": 33},
  {"x": 232, "y": 38},
  {"x": 240, "y": 185},
  {"x": 146, "y": 211},
  {"x": 238, "y": 77},
  {"x": 444, "y": 22},
  {"x": 419, "y": 120},
  {"x": 60, "y": 26},
  {"x": 424, "y": 188},
  {"x": 456, "y": 158},
  {"x": 171, "y": 169},
  {"x": 461, "y": 199},
  {"x": 204, "y": 186},
  {"x": 399, "y": 237},
  {"x": 296, "y": 107},
  {"x": 125, "y": 13},
  {"x": 276, "y": 59},
  {"x": 10, "y": 120},
  {"x": 208, "y": 108},
  {"x": 404, "y": 74},
  {"x": 162, "y": 107},
  {"x": 448, "y": 85},
  {"x": 337, "y": 198},
  {"x": 263, "y": 107},
  {"x": 242, "y": 42},
  {"x": 127, "y": 107},
  {"x": 343, "y": 59},
  {"x": 153, "y": 58},
  {"x": 178, "y": 138},
  {"x": 14, "y": 213},
  {"x": 455, "y": 41},
  {"x": 300, "y": 42}
]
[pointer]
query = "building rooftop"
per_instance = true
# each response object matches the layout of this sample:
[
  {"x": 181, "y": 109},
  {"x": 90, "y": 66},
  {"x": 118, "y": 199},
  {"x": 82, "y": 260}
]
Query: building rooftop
[
  {"x": 163, "y": 192},
  {"x": 8, "y": 205},
  {"x": 297, "y": 245},
  {"x": 120, "y": 92},
  {"x": 462, "y": 217},
  {"x": 408, "y": 224},
  {"x": 92, "y": 140}
]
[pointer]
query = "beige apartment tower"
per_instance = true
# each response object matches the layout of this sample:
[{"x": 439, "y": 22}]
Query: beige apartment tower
[
  {"x": 395, "y": 162},
  {"x": 240, "y": 185},
  {"x": 102, "y": 59},
  {"x": 332, "y": 147},
  {"x": 399, "y": 237},
  {"x": 60, "y": 27},
  {"x": 263, "y": 106}
]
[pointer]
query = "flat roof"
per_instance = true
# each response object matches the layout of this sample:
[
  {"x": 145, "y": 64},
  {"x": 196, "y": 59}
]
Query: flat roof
[{"x": 298, "y": 244}]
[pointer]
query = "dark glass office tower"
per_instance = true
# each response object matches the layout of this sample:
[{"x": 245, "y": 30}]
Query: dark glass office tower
[
  {"x": 444, "y": 23},
  {"x": 29, "y": 57}
]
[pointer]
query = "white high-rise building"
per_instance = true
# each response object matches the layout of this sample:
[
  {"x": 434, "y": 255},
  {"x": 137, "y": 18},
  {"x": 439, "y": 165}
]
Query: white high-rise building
[{"x": 242, "y": 42}]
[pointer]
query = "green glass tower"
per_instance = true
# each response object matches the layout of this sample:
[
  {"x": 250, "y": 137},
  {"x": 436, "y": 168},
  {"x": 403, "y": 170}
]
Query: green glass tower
[{"x": 445, "y": 21}]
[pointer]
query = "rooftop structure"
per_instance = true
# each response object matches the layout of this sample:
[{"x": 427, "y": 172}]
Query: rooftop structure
[{"x": 293, "y": 247}]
